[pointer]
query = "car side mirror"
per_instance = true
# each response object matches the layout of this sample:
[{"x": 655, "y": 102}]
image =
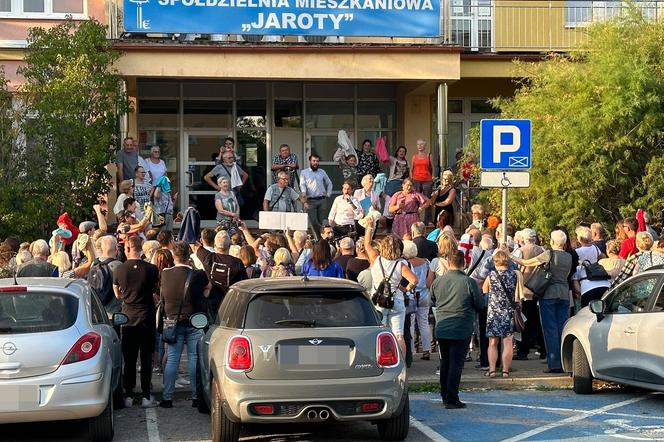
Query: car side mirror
[
  {"x": 120, "y": 319},
  {"x": 199, "y": 320},
  {"x": 597, "y": 307}
]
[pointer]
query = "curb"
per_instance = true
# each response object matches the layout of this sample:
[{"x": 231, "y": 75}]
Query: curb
[{"x": 499, "y": 383}]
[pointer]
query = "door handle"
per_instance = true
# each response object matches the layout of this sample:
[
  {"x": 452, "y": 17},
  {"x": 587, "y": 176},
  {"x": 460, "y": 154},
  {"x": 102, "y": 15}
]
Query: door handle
[
  {"x": 629, "y": 331},
  {"x": 191, "y": 178}
]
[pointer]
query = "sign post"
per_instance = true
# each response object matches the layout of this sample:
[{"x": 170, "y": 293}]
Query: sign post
[{"x": 505, "y": 157}]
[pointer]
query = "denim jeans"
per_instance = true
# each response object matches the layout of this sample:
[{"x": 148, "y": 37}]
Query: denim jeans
[
  {"x": 183, "y": 334},
  {"x": 553, "y": 314}
]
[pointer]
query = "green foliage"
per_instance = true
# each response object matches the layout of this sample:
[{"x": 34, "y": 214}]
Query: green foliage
[
  {"x": 598, "y": 128},
  {"x": 72, "y": 99}
]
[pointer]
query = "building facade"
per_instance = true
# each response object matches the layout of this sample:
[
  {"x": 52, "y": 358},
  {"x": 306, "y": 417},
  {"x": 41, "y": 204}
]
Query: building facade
[{"x": 190, "y": 91}]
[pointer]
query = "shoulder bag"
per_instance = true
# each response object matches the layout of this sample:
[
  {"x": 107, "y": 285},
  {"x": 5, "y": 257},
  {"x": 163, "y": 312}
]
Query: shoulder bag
[
  {"x": 168, "y": 334},
  {"x": 539, "y": 280}
]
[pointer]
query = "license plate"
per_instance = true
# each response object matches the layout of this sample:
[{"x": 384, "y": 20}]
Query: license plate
[
  {"x": 328, "y": 356},
  {"x": 18, "y": 397}
]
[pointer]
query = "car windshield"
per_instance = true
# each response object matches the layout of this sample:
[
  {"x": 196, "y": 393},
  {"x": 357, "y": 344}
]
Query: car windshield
[
  {"x": 30, "y": 312},
  {"x": 310, "y": 309}
]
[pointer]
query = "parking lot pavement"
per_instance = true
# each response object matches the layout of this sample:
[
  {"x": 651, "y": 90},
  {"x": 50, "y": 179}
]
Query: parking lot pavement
[{"x": 611, "y": 414}]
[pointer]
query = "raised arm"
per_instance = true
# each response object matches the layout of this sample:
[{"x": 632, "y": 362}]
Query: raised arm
[{"x": 372, "y": 253}]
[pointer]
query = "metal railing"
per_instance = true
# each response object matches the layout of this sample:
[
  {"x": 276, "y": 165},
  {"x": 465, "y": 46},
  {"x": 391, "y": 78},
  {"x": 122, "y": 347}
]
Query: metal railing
[{"x": 483, "y": 25}]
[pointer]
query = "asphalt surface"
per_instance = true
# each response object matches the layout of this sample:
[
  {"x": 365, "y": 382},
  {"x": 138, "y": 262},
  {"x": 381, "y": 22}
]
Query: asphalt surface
[{"x": 529, "y": 415}]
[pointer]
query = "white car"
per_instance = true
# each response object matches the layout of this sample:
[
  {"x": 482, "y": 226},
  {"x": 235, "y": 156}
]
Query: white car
[
  {"x": 60, "y": 357},
  {"x": 619, "y": 338}
]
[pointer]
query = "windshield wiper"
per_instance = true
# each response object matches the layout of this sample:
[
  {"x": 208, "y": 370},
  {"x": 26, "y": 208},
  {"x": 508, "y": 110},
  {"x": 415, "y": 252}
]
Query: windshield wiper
[{"x": 302, "y": 322}]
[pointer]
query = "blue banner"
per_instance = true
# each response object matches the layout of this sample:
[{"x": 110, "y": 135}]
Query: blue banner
[{"x": 366, "y": 18}]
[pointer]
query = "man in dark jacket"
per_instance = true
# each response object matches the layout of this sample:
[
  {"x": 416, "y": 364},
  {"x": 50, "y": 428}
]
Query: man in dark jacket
[
  {"x": 455, "y": 298},
  {"x": 223, "y": 270},
  {"x": 425, "y": 249}
]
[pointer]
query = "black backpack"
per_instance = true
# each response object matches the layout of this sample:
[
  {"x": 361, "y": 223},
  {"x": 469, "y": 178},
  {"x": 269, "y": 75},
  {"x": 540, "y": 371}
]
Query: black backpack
[
  {"x": 384, "y": 296},
  {"x": 100, "y": 279},
  {"x": 220, "y": 275},
  {"x": 595, "y": 272}
]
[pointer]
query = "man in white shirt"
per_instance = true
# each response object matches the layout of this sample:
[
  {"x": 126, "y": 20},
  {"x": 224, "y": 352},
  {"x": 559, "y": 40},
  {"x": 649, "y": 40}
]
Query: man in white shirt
[
  {"x": 345, "y": 211},
  {"x": 315, "y": 187}
]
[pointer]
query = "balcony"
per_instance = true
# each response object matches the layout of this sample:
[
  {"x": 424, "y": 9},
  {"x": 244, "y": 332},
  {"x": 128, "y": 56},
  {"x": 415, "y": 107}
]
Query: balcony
[{"x": 489, "y": 26}]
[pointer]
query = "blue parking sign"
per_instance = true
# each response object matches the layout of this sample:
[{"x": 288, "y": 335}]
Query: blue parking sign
[{"x": 505, "y": 144}]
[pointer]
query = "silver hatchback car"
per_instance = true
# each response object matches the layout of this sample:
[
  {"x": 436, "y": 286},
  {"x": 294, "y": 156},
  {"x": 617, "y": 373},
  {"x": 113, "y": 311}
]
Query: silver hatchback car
[
  {"x": 60, "y": 357},
  {"x": 300, "y": 350},
  {"x": 619, "y": 338}
]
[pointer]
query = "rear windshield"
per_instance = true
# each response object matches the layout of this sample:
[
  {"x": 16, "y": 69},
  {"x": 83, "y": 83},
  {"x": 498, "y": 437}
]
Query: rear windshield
[
  {"x": 319, "y": 309},
  {"x": 36, "y": 312}
]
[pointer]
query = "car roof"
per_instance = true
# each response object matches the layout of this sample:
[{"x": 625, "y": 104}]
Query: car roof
[
  {"x": 75, "y": 286},
  {"x": 263, "y": 285}
]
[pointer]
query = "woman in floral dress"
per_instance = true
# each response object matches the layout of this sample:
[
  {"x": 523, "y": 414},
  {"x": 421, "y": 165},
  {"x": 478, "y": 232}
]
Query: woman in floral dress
[{"x": 501, "y": 287}]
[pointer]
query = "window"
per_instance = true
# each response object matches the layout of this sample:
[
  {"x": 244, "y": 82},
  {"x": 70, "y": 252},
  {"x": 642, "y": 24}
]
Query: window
[
  {"x": 33, "y": 312},
  {"x": 98, "y": 311},
  {"x": 659, "y": 305},
  {"x": 320, "y": 309},
  {"x": 632, "y": 297},
  {"x": 44, "y": 8},
  {"x": 581, "y": 13}
]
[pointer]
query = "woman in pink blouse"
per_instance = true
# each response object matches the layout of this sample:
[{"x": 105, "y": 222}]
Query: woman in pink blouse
[{"x": 406, "y": 206}]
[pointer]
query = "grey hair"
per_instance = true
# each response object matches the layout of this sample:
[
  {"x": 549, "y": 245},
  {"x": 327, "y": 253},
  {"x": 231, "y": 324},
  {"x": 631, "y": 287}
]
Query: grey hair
[
  {"x": 108, "y": 242},
  {"x": 529, "y": 235},
  {"x": 409, "y": 249},
  {"x": 486, "y": 243},
  {"x": 222, "y": 241},
  {"x": 40, "y": 248},
  {"x": 417, "y": 229},
  {"x": 221, "y": 179},
  {"x": 299, "y": 236},
  {"x": 558, "y": 239}
]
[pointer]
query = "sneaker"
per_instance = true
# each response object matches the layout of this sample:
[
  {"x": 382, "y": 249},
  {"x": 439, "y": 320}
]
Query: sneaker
[
  {"x": 469, "y": 358},
  {"x": 178, "y": 385},
  {"x": 166, "y": 404},
  {"x": 149, "y": 403},
  {"x": 128, "y": 402},
  {"x": 194, "y": 403},
  {"x": 482, "y": 367},
  {"x": 182, "y": 381},
  {"x": 438, "y": 372}
]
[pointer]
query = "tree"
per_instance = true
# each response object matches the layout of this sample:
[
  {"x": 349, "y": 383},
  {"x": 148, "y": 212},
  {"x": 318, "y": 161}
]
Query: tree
[
  {"x": 73, "y": 100},
  {"x": 598, "y": 128}
]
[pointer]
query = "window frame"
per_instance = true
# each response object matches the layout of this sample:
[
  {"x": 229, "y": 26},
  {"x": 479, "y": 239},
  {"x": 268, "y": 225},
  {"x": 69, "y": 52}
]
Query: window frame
[{"x": 48, "y": 14}]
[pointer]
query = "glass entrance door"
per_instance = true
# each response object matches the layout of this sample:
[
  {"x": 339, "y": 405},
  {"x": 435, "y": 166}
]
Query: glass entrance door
[{"x": 200, "y": 150}]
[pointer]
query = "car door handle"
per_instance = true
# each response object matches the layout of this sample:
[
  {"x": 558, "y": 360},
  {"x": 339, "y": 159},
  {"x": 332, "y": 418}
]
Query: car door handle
[{"x": 629, "y": 331}]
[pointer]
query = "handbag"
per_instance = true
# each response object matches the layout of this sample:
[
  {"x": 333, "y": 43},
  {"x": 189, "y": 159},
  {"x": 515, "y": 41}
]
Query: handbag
[
  {"x": 517, "y": 318},
  {"x": 539, "y": 280},
  {"x": 168, "y": 334}
]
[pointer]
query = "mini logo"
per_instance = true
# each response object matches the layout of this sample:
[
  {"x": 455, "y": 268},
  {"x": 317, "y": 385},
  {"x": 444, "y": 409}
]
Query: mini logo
[
  {"x": 315, "y": 341},
  {"x": 9, "y": 348}
]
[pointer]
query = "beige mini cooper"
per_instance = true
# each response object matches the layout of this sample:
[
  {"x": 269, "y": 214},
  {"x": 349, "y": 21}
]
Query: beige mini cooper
[{"x": 288, "y": 350}]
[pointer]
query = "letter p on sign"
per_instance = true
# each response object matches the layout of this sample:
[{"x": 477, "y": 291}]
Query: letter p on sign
[{"x": 506, "y": 139}]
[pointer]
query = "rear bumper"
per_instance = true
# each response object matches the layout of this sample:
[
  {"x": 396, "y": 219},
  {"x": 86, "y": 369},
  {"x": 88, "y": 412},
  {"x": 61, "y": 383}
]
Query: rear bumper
[
  {"x": 62, "y": 395},
  {"x": 333, "y": 395}
]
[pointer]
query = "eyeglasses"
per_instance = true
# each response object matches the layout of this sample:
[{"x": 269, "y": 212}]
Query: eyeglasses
[{"x": 285, "y": 179}]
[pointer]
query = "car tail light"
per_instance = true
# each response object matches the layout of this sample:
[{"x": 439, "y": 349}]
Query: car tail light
[
  {"x": 13, "y": 288},
  {"x": 370, "y": 407},
  {"x": 387, "y": 350},
  {"x": 85, "y": 348},
  {"x": 263, "y": 409},
  {"x": 239, "y": 354}
]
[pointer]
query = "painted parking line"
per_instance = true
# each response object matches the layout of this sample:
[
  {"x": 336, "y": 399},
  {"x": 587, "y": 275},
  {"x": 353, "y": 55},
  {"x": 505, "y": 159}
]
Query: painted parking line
[
  {"x": 577, "y": 418},
  {"x": 427, "y": 431},
  {"x": 152, "y": 425}
]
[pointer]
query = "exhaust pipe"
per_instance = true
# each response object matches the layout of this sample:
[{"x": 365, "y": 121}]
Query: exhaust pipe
[
  {"x": 311, "y": 415},
  {"x": 324, "y": 414}
]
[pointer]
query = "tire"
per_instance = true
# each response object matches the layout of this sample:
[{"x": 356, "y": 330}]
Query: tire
[
  {"x": 223, "y": 429},
  {"x": 200, "y": 393},
  {"x": 102, "y": 427},
  {"x": 396, "y": 427},
  {"x": 118, "y": 395},
  {"x": 581, "y": 374}
]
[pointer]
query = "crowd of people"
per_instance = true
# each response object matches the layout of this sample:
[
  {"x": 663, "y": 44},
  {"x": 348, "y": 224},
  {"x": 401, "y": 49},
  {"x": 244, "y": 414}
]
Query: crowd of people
[{"x": 450, "y": 291}]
